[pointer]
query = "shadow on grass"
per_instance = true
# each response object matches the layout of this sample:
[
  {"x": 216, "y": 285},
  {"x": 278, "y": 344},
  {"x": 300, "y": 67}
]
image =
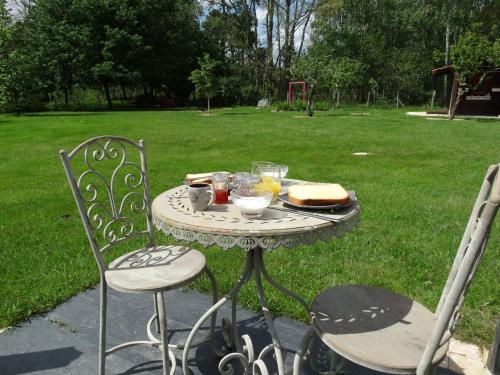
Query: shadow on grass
[
  {"x": 489, "y": 120},
  {"x": 236, "y": 114},
  {"x": 62, "y": 114},
  {"x": 25, "y": 363},
  {"x": 333, "y": 115}
]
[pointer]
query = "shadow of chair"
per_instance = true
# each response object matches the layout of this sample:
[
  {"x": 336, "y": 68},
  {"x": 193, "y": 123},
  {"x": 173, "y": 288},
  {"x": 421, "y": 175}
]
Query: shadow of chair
[
  {"x": 111, "y": 191},
  {"x": 25, "y": 363},
  {"x": 385, "y": 331}
]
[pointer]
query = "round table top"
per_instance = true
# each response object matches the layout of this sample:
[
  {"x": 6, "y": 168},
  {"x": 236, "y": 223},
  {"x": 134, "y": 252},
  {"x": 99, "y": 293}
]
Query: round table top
[{"x": 223, "y": 225}]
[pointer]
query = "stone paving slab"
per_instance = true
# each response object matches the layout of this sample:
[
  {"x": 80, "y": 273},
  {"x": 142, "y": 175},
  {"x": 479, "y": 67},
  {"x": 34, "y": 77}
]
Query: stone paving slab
[{"x": 65, "y": 341}]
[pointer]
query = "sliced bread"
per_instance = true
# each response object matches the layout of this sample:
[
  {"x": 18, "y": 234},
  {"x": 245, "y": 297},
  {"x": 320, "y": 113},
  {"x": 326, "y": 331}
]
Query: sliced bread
[{"x": 318, "y": 194}]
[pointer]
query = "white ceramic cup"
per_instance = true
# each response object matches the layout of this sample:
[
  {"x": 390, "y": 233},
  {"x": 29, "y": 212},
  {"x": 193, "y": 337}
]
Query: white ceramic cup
[{"x": 201, "y": 196}]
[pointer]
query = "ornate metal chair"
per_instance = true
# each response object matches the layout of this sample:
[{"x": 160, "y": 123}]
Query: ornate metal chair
[
  {"x": 111, "y": 191},
  {"x": 389, "y": 332}
]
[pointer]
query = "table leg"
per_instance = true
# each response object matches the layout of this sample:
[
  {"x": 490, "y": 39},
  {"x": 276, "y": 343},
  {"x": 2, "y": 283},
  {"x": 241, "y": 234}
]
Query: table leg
[
  {"x": 279, "y": 287},
  {"x": 244, "y": 347},
  {"x": 244, "y": 278},
  {"x": 246, "y": 355}
]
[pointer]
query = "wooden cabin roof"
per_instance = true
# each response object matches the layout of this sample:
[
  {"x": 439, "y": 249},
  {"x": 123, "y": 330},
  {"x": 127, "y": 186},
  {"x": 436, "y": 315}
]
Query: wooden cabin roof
[{"x": 441, "y": 71}]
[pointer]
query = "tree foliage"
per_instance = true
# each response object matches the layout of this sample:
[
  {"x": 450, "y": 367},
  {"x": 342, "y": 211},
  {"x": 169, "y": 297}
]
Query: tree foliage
[
  {"x": 400, "y": 41},
  {"x": 149, "y": 48},
  {"x": 473, "y": 54},
  {"x": 4, "y": 50},
  {"x": 314, "y": 70},
  {"x": 204, "y": 79},
  {"x": 104, "y": 44}
]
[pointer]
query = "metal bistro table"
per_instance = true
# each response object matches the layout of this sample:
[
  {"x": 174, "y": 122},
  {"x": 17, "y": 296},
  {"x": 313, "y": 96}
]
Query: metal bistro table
[{"x": 223, "y": 225}]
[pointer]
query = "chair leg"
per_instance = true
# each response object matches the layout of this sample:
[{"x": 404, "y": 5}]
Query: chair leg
[
  {"x": 163, "y": 332},
  {"x": 102, "y": 327},
  {"x": 215, "y": 299},
  {"x": 156, "y": 312},
  {"x": 302, "y": 352},
  {"x": 434, "y": 370},
  {"x": 430, "y": 370}
]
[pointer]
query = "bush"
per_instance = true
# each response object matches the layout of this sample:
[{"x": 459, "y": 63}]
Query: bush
[
  {"x": 282, "y": 106},
  {"x": 298, "y": 105},
  {"x": 322, "y": 105}
]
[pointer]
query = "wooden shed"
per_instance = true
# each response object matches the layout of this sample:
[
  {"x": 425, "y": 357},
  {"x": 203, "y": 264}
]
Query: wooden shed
[{"x": 481, "y": 96}]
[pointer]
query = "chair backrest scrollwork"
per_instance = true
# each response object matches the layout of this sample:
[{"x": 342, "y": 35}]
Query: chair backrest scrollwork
[
  {"x": 111, "y": 191},
  {"x": 464, "y": 266}
]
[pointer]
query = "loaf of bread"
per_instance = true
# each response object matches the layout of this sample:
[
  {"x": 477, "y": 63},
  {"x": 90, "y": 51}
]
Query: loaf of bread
[
  {"x": 318, "y": 194},
  {"x": 199, "y": 178}
]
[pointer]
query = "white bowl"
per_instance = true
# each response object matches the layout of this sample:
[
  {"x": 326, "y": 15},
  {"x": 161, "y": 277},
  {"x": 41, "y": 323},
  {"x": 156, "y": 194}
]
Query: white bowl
[{"x": 251, "y": 203}]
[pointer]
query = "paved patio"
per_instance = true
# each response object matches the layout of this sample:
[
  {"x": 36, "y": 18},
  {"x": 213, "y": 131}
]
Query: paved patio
[{"x": 64, "y": 341}]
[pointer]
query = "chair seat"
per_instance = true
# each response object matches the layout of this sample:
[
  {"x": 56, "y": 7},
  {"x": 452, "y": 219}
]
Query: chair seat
[
  {"x": 155, "y": 269},
  {"x": 374, "y": 327}
]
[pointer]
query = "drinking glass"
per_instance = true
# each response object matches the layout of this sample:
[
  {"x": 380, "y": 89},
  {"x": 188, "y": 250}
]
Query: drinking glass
[
  {"x": 271, "y": 179},
  {"x": 220, "y": 185},
  {"x": 239, "y": 179},
  {"x": 283, "y": 171},
  {"x": 257, "y": 165}
]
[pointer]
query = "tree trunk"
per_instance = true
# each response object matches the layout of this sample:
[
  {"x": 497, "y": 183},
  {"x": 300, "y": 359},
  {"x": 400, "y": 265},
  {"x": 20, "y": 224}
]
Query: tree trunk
[
  {"x": 368, "y": 99},
  {"x": 287, "y": 53},
  {"x": 397, "y": 100},
  {"x": 78, "y": 100},
  {"x": 304, "y": 29},
  {"x": 108, "y": 96},
  {"x": 269, "y": 31},
  {"x": 66, "y": 96},
  {"x": 255, "y": 42},
  {"x": 246, "y": 20},
  {"x": 454, "y": 98},
  {"x": 124, "y": 93},
  {"x": 338, "y": 98},
  {"x": 279, "y": 57},
  {"x": 432, "y": 100},
  {"x": 208, "y": 104},
  {"x": 446, "y": 62},
  {"x": 310, "y": 95}
]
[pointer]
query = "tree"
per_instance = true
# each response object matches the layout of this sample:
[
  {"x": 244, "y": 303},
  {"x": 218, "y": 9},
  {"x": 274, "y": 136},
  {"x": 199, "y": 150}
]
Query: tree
[
  {"x": 171, "y": 45},
  {"x": 4, "y": 37},
  {"x": 399, "y": 41},
  {"x": 344, "y": 74},
  {"x": 204, "y": 79},
  {"x": 24, "y": 82},
  {"x": 474, "y": 54},
  {"x": 312, "y": 69},
  {"x": 61, "y": 44}
]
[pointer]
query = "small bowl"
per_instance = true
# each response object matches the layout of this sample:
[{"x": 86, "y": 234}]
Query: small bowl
[{"x": 251, "y": 203}]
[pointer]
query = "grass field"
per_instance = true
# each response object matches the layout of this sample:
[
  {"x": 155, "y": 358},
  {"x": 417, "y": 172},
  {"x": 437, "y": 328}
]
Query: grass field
[{"x": 416, "y": 190}]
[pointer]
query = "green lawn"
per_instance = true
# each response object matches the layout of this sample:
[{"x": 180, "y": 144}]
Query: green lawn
[{"x": 416, "y": 190}]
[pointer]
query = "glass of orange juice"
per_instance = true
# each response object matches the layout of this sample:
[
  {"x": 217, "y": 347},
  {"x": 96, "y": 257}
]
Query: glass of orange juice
[{"x": 271, "y": 180}]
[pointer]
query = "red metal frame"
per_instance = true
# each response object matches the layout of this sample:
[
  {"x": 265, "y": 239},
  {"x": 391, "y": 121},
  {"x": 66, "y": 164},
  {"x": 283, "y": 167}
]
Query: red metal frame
[{"x": 290, "y": 88}]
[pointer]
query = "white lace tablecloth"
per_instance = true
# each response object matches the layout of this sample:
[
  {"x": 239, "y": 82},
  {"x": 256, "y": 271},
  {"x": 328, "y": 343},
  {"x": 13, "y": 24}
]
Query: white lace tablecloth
[{"x": 223, "y": 225}]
